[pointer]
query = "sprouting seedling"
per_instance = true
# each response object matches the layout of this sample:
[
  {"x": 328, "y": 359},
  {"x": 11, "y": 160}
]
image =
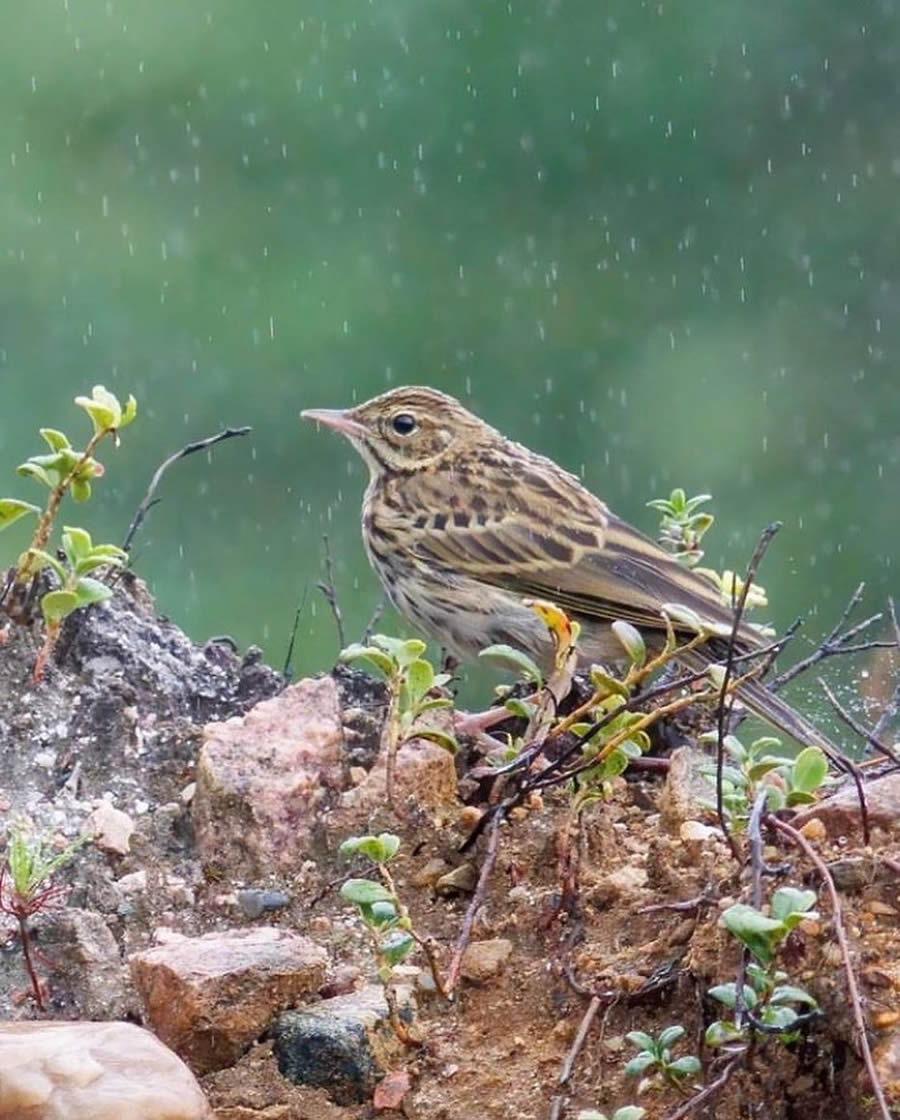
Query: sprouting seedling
[
  {"x": 766, "y": 1002},
  {"x": 655, "y": 1056},
  {"x": 789, "y": 781},
  {"x": 683, "y": 525},
  {"x": 412, "y": 681},
  {"x": 66, "y": 470},
  {"x": 386, "y": 918},
  {"x": 26, "y": 890}
]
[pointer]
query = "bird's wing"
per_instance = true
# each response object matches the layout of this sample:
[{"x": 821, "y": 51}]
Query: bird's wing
[{"x": 585, "y": 559}]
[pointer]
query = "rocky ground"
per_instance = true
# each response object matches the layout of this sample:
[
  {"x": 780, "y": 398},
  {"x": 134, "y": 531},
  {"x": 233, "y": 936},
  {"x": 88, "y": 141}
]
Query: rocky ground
[{"x": 206, "y": 907}]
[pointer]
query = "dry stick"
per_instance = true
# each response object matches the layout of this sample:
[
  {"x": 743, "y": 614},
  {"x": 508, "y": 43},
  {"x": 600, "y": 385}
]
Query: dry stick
[
  {"x": 289, "y": 656},
  {"x": 475, "y": 905},
  {"x": 835, "y": 642},
  {"x": 327, "y": 588},
  {"x": 373, "y": 621},
  {"x": 893, "y": 705},
  {"x": 707, "y": 1091},
  {"x": 188, "y": 449},
  {"x": 854, "y": 725},
  {"x": 723, "y": 709},
  {"x": 856, "y": 1003}
]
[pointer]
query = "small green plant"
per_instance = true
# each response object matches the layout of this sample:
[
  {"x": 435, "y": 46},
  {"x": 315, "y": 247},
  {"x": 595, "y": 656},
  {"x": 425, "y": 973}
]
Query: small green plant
[
  {"x": 683, "y": 525},
  {"x": 26, "y": 890},
  {"x": 654, "y": 1056},
  {"x": 385, "y": 918},
  {"x": 66, "y": 470},
  {"x": 768, "y": 1002},
  {"x": 789, "y": 781},
  {"x": 413, "y": 683},
  {"x": 627, "y": 1112}
]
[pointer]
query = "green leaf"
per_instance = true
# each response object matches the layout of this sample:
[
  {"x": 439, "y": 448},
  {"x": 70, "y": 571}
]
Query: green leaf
[
  {"x": 129, "y": 412},
  {"x": 55, "y": 440},
  {"x": 379, "y": 849},
  {"x": 782, "y": 1017},
  {"x": 419, "y": 679},
  {"x": 396, "y": 946},
  {"x": 721, "y": 1033},
  {"x": 35, "y": 471},
  {"x": 678, "y": 612},
  {"x": 380, "y": 915},
  {"x": 753, "y": 929},
  {"x": 668, "y": 1037},
  {"x": 365, "y": 891},
  {"x": 11, "y": 509},
  {"x": 631, "y": 640},
  {"x": 787, "y": 901},
  {"x": 402, "y": 650},
  {"x": 763, "y": 767},
  {"x": 76, "y": 543},
  {"x": 639, "y": 1063},
  {"x": 103, "y": 408},
  {"x": 382, "y": 661},
  {"x": 48, "y": 561},
  {"x": 57, "y": 605},
  {"x": 518, "y": 708},
  {"x": 727, "y": 994},
  {"x": 511, "y": 658},
  {"x": 789, "y": 993},
  {"x": 629, "y": 1112},
  {"x": 435, "y": 704},
  {"x": 90, "y": 591},
  {"x": 684, "y": 1067},
  {"x": 80, "y": 489},
  {"x": 810, "y": 770},
  {"x": 441, "y": 738},
  {"x": 600, "y": 679},
  {"x": 641, "y": 1040}
]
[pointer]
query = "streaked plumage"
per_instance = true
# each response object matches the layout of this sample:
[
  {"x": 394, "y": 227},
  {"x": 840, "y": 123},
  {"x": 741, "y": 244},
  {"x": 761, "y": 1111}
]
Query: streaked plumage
[{"x": 461, "y": 524}]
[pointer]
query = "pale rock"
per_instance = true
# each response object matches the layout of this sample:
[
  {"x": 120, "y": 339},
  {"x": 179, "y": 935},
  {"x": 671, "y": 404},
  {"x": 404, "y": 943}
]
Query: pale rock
[
  {"x": 110, "y": 828},
  {"x": 482, "y": 960},
  {"x": 839, "y": 814},
  {"x": 87, "y": 965},
  {"x": 261, "y": 776},
  {"x": 685, "y": 788},
  {"x": 210, "y": 997},
  {"x": 93, "y": 1071},
  {"x": 134, "y": 882}
]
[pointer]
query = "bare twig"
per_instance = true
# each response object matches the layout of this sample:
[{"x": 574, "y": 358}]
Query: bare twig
[
  {"x": 575, "y": 1049},
  {"x": 465, "y": 932},
  {"x": 289, "y": 656},
  {"x": 723, "y": 708},
  {"x": 373, "y": 620},
  {"x": 892, "y": 707},
  {"x": 327, "y": 588},
  {"x": 836, "y": 643},
  {"x": 797, "y": 837},
  {"x": 149, "y": 501},
  {"x": 709, "y": 1090},
  {"x": 856, "y": 726}
]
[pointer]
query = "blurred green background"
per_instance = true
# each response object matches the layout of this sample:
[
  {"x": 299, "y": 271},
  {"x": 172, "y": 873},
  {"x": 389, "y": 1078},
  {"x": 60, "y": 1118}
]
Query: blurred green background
[{"x": 657, "y": 241}]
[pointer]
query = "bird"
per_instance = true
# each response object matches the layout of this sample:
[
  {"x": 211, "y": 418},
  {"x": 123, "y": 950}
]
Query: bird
[{"x": 463, "y": 526}]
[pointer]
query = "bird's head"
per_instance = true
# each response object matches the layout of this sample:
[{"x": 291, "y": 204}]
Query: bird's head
[{"x": 406, "y": 429}]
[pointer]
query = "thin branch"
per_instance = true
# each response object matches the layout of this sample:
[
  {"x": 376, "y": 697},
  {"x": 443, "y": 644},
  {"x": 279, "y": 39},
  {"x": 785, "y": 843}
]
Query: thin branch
[
  {"x": 856, "y": 726},
  {"x": 835, "y": 643},
  {"x": 723, "y": 708},
  {"x": 149, "y": 501},
  {"x": 374, "y": 620},
  {"x": 801, "y": 841},
  {"x": 327, "y": 588},
  {"x": 575, "y": 1049},
  {"x": 289, "y": 656},
  {"x": 892, "y": 707},
  {"x": 465, "y": 932},
  {"x": 709, "y": 1090}
]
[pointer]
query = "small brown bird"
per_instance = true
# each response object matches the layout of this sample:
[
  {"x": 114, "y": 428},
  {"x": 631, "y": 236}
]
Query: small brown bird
[{"x": 461, "y": 524}]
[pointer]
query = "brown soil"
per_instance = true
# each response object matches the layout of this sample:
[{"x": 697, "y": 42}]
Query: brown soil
[{"x": 121, "y": 710}]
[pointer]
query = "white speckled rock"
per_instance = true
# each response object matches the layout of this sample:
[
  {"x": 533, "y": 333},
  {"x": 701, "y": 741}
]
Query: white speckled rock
[{"x": 93, "y": 1071}]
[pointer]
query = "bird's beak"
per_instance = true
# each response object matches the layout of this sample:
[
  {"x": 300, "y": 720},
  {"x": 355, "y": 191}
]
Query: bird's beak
[{"x": 341, "y": 419}]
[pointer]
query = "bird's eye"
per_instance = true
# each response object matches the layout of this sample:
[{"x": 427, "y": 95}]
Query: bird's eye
[{"x": 403, "y": 424}]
